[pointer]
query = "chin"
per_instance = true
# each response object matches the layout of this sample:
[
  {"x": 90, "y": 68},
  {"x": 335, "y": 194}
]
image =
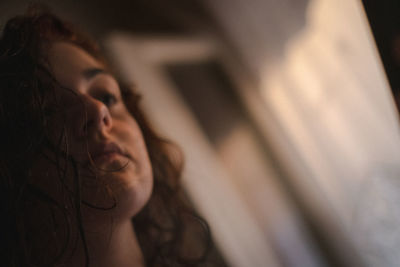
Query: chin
[
  {"x": 133, "y": 196},
  {"x": 120, "y": 192}
]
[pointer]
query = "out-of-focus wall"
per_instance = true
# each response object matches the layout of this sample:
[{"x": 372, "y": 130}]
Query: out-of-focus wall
[
  {"x": 257, "y": 29},
  {"x": 333, "y": 112},
  {"x": 332, "y": 98}
]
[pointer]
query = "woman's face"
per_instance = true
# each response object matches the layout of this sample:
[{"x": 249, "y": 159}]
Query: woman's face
[{"x": 104, "y": 139}]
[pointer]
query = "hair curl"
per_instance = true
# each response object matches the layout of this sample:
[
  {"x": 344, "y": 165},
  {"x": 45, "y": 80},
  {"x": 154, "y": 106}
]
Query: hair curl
[{"x": 165, "y": 226}]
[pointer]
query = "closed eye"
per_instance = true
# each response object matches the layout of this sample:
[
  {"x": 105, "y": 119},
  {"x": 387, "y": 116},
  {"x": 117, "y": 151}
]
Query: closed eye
[{"x": 108, "y": 99}]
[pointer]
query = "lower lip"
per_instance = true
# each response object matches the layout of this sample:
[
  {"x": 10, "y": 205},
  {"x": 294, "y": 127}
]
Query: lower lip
[{"x": 107, "y": 157}]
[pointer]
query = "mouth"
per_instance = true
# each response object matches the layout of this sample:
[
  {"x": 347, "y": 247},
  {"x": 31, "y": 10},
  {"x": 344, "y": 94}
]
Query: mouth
[{"x": 104, "y": 153}]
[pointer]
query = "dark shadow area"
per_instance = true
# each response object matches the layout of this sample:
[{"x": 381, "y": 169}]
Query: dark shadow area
[
  {"x": 101, "y": 17},
  {"x": 384, "y": 20}
]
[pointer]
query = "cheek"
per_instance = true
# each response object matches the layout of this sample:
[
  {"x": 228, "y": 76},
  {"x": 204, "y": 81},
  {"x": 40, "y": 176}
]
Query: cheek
[
  {"x": 130, "y": 136},
  {"x": 136, "y": 138}
]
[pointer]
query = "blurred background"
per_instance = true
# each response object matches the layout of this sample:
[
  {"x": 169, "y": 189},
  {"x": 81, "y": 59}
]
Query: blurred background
[{"x": 284, "y": 111}]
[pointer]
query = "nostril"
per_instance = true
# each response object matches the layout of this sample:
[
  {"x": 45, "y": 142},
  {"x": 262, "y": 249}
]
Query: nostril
[{"x": 107, "y": 118}]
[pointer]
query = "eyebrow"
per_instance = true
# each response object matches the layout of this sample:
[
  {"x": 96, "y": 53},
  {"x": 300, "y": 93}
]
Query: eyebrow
[{"x": 89, "y": 74}]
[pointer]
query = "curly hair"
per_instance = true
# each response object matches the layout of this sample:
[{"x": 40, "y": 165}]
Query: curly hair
[{"x": 169, "y": 231}]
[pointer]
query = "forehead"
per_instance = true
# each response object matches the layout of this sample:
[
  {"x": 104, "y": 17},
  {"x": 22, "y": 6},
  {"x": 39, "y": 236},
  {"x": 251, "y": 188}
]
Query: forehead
[{"x": 67, "y": 62}]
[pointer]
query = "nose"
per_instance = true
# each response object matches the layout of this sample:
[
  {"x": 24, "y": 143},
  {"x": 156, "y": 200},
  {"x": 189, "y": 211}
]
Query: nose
[{"x": 96, "y": 117}]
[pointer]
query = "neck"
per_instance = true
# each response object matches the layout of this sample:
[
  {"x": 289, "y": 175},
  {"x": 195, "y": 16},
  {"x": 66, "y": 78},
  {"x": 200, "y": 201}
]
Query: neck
[{"x": 115, "y": 245}]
